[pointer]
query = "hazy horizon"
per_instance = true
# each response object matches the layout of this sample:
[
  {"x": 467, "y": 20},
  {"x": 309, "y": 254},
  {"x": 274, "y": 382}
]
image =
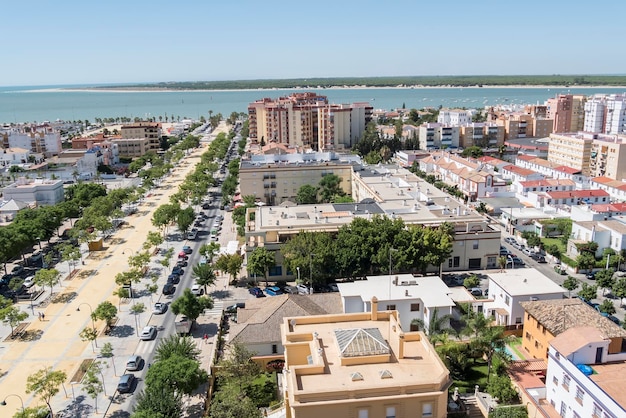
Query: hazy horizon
[{"x": 71, "y": 42}]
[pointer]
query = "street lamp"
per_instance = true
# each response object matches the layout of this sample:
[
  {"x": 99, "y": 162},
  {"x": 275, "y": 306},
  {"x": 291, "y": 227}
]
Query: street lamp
[
  {"x": 93, "y": 323},
  {"x": 311, "y": 255},
  {"x": 298, "y": 268},
  {"x": 4, "y": 402}
]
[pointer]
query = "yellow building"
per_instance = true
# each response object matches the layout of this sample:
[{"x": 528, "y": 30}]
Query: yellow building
[
  {"x": 360, "y": 365},
  {"x": 148, "y": 130},
  {"x": 132, "y": 147},
  {"x": 545, "y": 319},
  {"x": 571, "y": 150},
  {"x": 276, "y": 182}
]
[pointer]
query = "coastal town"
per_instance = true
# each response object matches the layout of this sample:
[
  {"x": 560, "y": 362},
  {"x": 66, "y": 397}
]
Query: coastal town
[{"x": 308, "y": 258}]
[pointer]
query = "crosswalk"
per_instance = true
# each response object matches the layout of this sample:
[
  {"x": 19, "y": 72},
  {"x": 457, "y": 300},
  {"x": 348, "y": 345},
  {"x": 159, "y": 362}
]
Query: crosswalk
[{"x": 216, "y": 311}]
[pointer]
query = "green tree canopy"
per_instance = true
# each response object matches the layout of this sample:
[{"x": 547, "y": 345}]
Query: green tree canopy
[
  {"x": 45, "y": 383},
  {"x": 307, "y": 194},
  {"x": 260, "y": 261},
  {"x": 178, "y": 373},
  {"x": 190, "y": 305}
]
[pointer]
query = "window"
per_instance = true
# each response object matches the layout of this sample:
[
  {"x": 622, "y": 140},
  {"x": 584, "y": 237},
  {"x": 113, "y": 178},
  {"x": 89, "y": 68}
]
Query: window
[
  {"x": 576, "y": 415},
  {"x": 507, "y": 300},
  {"x": 456, "y": 262},
  {"x": 563, "y": 410},
  {"x": 518, "y": 320},
  {"x": 427, "y": 410},
  {"x": 566, "y": 380},
  {"x": 597, "y": 411},
  {"x": 391, "y": 307},
  {"x": 364, "y": 413},
  {"x": 475, "y": 244},
  {"x": 555, "y": 381},
  {"x": 274, "y": 349},
  {"x": 580, "y": 395},
  {"x": 415, "y": 307},
  {"x": 390, "y": 412}
]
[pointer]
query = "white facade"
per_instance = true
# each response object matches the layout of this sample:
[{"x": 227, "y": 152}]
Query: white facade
[
  {"x": 412, "y": 297},
  {"x": 47, "y": 144},
  {"x": 13, "y": 156},
  {"x": 454, "y": 117},
  {"x": 615, "y": 116},
  {"x": 436, "y": 135},
  {"x": 575, "y": 394},
  {"x": 594, "y": 115},
  {"x": 508, "y": 289},
  {"x": 39, "y": 191}
]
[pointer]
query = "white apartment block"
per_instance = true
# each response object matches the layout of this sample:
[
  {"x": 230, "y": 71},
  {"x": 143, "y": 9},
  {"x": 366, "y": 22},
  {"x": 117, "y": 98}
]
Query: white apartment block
[
  {"x": 454, "y": 117},
  {"x": 595, "y": 109},
  {"x": 606, "y": 114},
  {"x": 13, "y": 156},
  {"x": 616, "y": 116},
  {"x": 45, "y": 142},
  {"x": 39, "y": 191},
  {"x": 436, "y": 136},
  {"x": 583, "y": 379}
]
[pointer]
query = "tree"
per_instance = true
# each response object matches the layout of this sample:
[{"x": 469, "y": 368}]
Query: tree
[
  {"x": 105, "y": 311},
  {"x": 260, "y": 261},
  {"x": 307, "y": 195},
  {"x": 607, "y": 307},
  {"x": 230, "y": 263},
  {"x": 45, "y": 383},
  {"x": 471, "y": 281},
  {"x": 490, "y": 341},
  {"x": 585, "y": 261},
  {"x": 571, "y": 283},
  {"x": 500, "y": 387},
  {"x": 89, "y": 334},
  {"x": 12, "y": 315},
  {"x": 158, "y": 401},
  {"x": 238, "y": 364},
  {"x": 71, "y": 254},
  {"x": 605, "y": 279},
  {"x": 153, "y": 239},
  {"x": 92, "y": 383},
  {"x": 231, "y": 405},
  {"x": 185, "y": 219},
  {"x": 502, "y": 261},
  {"x": 209, "y": 250},
  {"x": 619, "y": 289},
  {"x": 47, "y": 277},
  {"x": 136, "y": 310},
  {"x": 178, "y": 373},
  {"x": 588, "y": 292},
  {"x": 329, "y": 187},
  {"x": 32, "y": 412},
  {"x": 190, "y": 305},
  {"x": 176, "y": 345},
  {"x": 437, "y": 325},
  {"x": 204, "y": 274},
  {"x": 473, "y": 151}
]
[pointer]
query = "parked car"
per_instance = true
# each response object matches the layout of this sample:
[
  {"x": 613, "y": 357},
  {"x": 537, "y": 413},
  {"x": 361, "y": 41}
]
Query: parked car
[
  {"x": 191, "y": 235},
  {"x": 178, "y": 270},
  {"x": 232, "y": 309},
  {"x": 169, "y": 289},
  {"x": 197, "y": 290},
  {"x": 591, "y": 275},
  {"x": 134, "y": 363},
  {"x": 518, "y": 261},
  {"x": 560, "y": 270},
  {"x": 182, "y": 255},
  {"x": 29, "y": 282},
  {"x": 476, "y": 291},
  {"x": 187, "y": 249},
  {"x": 148, "y": 333},
  {"x": 173, "y": 278},
  {"x": 333, "y": 287},
  {"x": 182, "y": 263},
  {"x": 273, "y": 291},
  {"x": 256, "y": 291},
  {"x": 17, "y": 270},
  {"x": 159, "y": 308},
  {"x": 302, "y": 289},
  {"x": 125, "y": 385}
]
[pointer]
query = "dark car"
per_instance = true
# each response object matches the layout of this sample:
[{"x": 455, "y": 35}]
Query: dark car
[
  {"x": 125, "y": 384},
  {"x": 169, "y": 289},
  {"x": 173, "y": 278},
  {"x": 255, "y": 291},
  {"x": 178, "y": 270},
  {"x": 182, "y": 263},
  {"x": 591, "y": 275},
  {"x": 233, "y": 308}
]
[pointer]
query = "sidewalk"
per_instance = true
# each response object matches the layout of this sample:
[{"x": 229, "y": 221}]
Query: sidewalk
[{"x": 55, "y": 342}]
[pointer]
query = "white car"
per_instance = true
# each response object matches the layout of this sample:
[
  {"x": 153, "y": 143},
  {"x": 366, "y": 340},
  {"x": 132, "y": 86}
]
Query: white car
[
  {"x": 197, "y": 290},
  {"x": 29, "y": 282}
]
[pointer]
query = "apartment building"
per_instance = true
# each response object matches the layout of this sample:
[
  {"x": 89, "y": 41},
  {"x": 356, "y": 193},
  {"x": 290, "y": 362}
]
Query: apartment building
[
  {"x": 436, "y": 136},
  {"x": 13, "y": 156},
  {"x": 37, "y": 139},
  {"x": 616, "y": 188},
  {"x": 481, "y": 134},
  {"x": 552, "y": 170},
  {"x": 384, "y": 191},
  {"x": 130, "y": 148},
  {"x": 38, "y": 191},
  {"x": 360, "y": 365},
  {"x": 546, "y": 319},
  {"x": 275, "y": 179},
  {"x": 572, "y": 150},
  {"x": 567, "y": 111},
  {"x": 523, "y": 188},
  {"x": 454, "y": 117},
  {"x": 583, "y": 378},
  {"x": 608, "y": 156},
  {"x": 606, "y": 114},
  {"x": 307, "y": 120},
  {"x": 144, "y": 130}
]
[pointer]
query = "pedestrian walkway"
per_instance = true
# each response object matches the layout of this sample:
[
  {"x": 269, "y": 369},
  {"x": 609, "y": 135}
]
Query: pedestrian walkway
[{"x": 216, "y": 311}]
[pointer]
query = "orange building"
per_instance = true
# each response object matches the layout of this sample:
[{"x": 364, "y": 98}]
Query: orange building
[{"x": 545, "y": 319}]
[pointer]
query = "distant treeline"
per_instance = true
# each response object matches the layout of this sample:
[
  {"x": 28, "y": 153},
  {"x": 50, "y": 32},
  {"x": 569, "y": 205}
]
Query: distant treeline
[{"x": 456, "y": 81}]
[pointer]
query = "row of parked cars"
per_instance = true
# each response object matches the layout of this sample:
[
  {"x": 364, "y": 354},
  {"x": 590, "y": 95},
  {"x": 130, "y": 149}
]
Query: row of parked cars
[{"x": 300, "y": 289}]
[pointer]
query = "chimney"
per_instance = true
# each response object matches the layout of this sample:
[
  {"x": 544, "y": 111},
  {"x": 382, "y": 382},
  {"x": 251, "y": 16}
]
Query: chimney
[{"x": 374, "y": 308}]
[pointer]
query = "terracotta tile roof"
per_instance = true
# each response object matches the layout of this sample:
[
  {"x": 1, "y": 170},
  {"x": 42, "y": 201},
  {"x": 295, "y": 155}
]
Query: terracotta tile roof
[
  {"x": 547, "y": 182},
  {"x": 573, "y": 339},
  {"x": 525, "y": 157},
  {"x": 581, "y": 194},
  {"x": 567, "y": 170},
  {"x": 519, "y": 170},
  {"x": 558, "y": 315},
  {"x": 259, "y": 322}
]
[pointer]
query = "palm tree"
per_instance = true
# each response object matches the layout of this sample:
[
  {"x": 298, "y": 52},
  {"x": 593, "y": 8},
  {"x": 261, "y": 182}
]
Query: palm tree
[
  {"x": 437, "y": 328},
  {"x": 502, "y": 263},
  {"x": 490, "y": 341}
]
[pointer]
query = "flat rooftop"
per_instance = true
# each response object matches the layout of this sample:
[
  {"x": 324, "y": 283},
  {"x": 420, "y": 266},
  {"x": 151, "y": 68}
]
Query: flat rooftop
[
  {"x": 372, "y": 349},
  {"x": 610, "y": 378},
  {"x": 525, "y": 281}
]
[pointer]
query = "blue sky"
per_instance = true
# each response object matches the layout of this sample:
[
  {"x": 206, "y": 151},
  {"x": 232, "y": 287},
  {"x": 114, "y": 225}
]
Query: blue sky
[{"x": 75, "y": 42}]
